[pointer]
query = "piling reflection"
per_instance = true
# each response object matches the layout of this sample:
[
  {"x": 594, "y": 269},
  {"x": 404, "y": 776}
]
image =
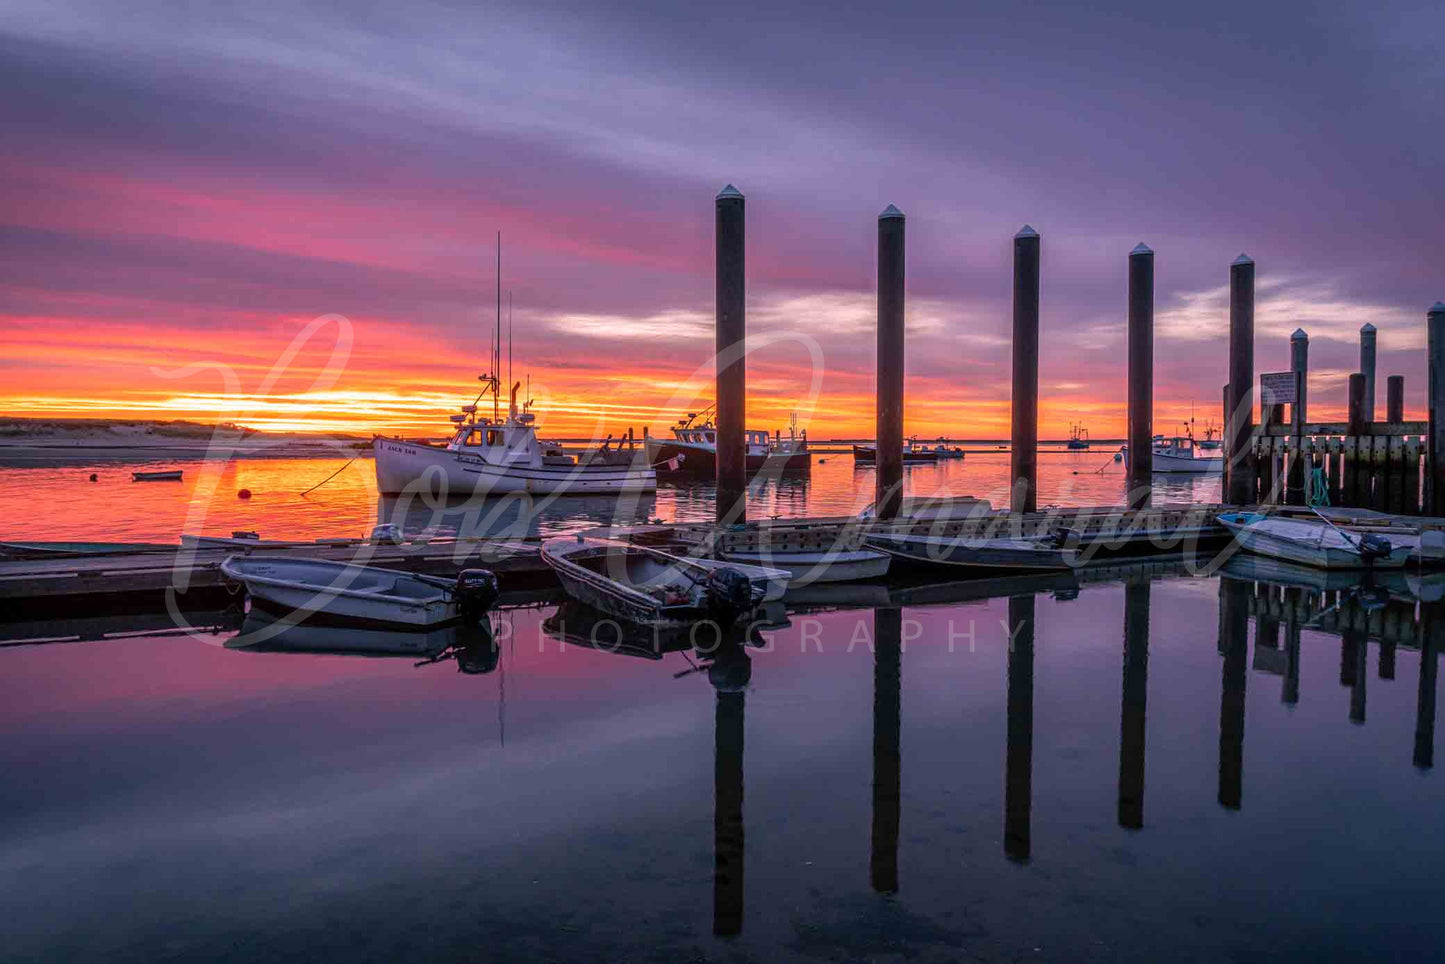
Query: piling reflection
[
  {"x": 1294, "y": 603},
  {"x": 729, "y": 674},
  {"x": 1434, "y": 620},
  {"x": 887, "y": 755},
  {"x": 1234, "y": 598},
  {"x": 1134, "y": 704},
  {"x": 1018, "y": 765}
]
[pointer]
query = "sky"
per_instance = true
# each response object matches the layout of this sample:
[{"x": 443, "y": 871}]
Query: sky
[{"x": 286, "y": 216}]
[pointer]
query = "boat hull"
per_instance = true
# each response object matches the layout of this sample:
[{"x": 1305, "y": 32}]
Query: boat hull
[
  {"x": 1185, "y": 465},
  {"x": 868, "y": 455},
  {"x": 976, "y": 553},
  {"x": 1307, "y": 545},
  {"x": 406, "y": 466},
  {"x": 819, "y": 566},
  {"x": 697, "y": 460},
  {"x": 361, "y": 594}
]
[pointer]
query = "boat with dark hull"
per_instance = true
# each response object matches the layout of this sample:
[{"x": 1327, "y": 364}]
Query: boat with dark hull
[
  {"x": 912, "y": 454},
  {"x": 692, "y": 449}
]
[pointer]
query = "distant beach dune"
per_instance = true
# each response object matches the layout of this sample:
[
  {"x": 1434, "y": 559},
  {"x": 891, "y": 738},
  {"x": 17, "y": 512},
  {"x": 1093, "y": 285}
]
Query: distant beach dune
[{"x": 63, "y": 441}]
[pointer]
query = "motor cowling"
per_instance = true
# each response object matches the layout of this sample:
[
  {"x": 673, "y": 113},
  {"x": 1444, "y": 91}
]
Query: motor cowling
[
  {"x": 1374, "y": 547},
  {"x": 476, "y": 592},
  {"x": 729, "y": 594}
]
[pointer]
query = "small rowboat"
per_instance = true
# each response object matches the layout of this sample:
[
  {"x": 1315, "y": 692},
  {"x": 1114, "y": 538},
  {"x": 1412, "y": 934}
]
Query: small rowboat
[
  {"x": 817, "y": 565},
  {"x": 1001, "y": 553},
  {"x": 169, "y": 475},
  {"x": 654, "y": 588},
  {"x": 364, "y": 594},
  {"x": 1315, "y": 544}
]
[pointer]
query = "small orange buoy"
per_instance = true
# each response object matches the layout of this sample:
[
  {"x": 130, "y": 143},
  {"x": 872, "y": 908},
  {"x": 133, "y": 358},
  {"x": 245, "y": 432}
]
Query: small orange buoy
[{"x": 244, "y": 494}]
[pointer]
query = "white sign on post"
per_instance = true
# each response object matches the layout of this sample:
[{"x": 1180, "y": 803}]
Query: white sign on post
[{"x": 1279, "y": 388}]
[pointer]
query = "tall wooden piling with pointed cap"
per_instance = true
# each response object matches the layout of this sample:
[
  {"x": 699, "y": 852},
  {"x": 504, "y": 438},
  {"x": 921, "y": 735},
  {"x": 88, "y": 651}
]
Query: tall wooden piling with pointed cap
[
  {"x": 1239, "y": 419},
  {"x": 731, "y": 353},
  {"x": 1141, "y": 374},
  {"x": 1024, "y": 455},
  {"x": 1299, "y": 362},
  {"x": 888, "y": 474},
  {"x": 1435, "y": 466},
  {"x": 1367, "y": 367}
]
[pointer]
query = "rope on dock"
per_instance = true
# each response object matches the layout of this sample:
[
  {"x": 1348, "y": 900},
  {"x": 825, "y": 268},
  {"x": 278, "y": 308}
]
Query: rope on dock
[
  {"x": 331, "y": 476},
  {"x": 1318, "y": 491}
]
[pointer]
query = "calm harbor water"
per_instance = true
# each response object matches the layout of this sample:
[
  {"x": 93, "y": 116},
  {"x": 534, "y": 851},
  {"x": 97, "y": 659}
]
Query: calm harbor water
[
  {"x": 74, "y": 508},
  {"x": 1037, "y": 768},
  {"x": 1141, "y": 776}
]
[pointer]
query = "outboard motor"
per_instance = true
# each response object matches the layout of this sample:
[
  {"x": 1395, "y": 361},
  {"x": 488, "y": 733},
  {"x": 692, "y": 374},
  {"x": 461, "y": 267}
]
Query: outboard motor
[
  {"x": 728, "y": 594},
  {"x": 1374, "y": 547},
  {"x": 476, "y": 592}
]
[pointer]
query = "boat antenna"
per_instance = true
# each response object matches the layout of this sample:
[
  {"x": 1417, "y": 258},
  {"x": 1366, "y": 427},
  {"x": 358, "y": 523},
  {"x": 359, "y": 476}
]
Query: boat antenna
[
  {"x": 497, "y": 340},
  {"x": 509, "y": 336}
]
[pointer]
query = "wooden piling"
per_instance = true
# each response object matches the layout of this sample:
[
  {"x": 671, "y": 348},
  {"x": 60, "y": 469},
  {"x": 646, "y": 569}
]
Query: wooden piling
[
  {"x": 1367, "y": 367},
  {"x": 1299, "y": 362},
  {"x": 1239, "y": 422},
  {"x": 731, "y": 349},
  {"x": 888, "y": 471},
  {"x": 1024, "y": 456},
  {"x": 1435, "y": 454},
  {"x": 1141, "y": 375},
  {"x": 1355, "y": 491},
  {"x": 1395, "y": 399}
]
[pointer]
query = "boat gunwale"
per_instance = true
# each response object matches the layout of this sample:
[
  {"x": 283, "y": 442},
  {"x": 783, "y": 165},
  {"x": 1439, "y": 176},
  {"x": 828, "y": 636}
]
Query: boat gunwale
[{"x": 445, "y": 593}]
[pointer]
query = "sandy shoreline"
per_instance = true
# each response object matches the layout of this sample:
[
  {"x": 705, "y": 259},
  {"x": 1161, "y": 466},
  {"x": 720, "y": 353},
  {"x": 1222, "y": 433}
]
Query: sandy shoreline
[{"x": 57, "y": 442}]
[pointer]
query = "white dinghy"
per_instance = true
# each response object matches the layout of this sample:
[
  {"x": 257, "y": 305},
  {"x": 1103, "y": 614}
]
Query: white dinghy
[
  {"x": 362, "y": 593},
  {"x": 655, "y": 588},
  {"x": 1316, "y": 544}
]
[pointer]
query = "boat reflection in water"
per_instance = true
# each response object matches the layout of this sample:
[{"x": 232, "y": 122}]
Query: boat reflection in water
[{"x": 471, "y": 645}]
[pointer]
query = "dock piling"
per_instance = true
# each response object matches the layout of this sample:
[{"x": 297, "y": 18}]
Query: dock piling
[
  {"x": 1367, "y": 367},
  {"x": 1395, "y": 399},
  {"x": 1357, "y": 473},
  {"x": 731, "y": 340},
  {"x": 1435, "y": 465},
  {"x": 1141, "y": 375},
  {"x": 1024, "y": 457},
  {"x": 1299, "y": 361},
  {"x": 888, "y": 454},
  {"x": 1239, "y": 418}
]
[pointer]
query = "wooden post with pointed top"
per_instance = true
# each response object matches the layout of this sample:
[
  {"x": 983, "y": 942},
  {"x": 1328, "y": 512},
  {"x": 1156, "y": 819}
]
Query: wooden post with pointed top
[
  {"x": 731, "y": 348},
  {"x": 1239, "y": 419},
  {"x": 888, "y": 454},
  {"x": 1435, "y": 465},
  {"x": 1299, "y": 362},
  {"x": 1367, "y": 367},
  {"x": 1141, "y": 375},
  {"x": 1024, "y": 454}
]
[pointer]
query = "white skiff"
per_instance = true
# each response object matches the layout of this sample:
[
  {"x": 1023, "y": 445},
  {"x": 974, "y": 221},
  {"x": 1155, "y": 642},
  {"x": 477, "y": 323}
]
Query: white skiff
[{"x": 1315, "y": 544}]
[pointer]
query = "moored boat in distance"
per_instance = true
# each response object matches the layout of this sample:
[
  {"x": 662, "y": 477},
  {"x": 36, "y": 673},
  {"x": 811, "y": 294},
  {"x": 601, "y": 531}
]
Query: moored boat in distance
[
  {"x": 912, "y": 454},
  {"x": 1078, "y": 437},
  {"x": 363, "y": 594},
  {"x": 1179, "y": 455},
  {"x": 165, "y": 475},
  {"x": 1318, "y": 544},
  {"x": 692, "y": 449}
]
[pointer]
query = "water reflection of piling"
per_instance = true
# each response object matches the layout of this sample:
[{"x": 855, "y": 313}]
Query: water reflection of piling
[
  {"x": 1233, "y": 643},
  {"x": 1361, "y": 674},
  {"x": 1018, "y": 765},
  {"x": 1024, "y": 456},
  {"x": 888, "y": 451},
  {"x": 1141, "y": 374},
  {"x": 1289, "y": 693},
  {"x": 887, "y": 758},
  {"x": 1434, "y": 621},
  {"x": 1134, "y": 705},
  {"x": 730, "y": 337},
  {"x": 729, "y": 676}
]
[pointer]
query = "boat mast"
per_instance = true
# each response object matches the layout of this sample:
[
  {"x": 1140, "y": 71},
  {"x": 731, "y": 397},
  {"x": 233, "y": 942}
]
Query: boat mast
[{"x": 497, "y": 352}]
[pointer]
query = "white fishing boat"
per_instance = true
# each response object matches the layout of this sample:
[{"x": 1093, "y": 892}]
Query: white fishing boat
[
  {"x": 500, "y": 456},
  {"x": 362, "y": 593},
  {"x": 655, "y": 588},
  {"x": 817, "y": 565},
  {"x": 1317, "y": 543},
  {"x": 1180, "y": 455}
]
